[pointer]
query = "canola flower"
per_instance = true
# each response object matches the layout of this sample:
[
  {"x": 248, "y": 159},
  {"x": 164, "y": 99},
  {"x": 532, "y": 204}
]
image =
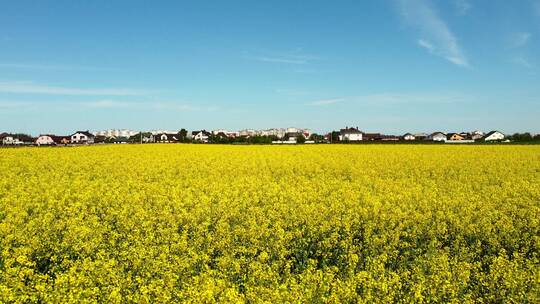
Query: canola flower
[{"x": 270, "y": 224}]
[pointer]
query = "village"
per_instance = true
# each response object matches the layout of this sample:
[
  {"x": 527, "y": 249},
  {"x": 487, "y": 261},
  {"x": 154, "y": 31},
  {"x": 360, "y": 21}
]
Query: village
[{"x": 247, "y": 136}]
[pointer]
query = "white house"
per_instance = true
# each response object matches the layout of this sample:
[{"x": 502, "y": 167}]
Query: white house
[
  {"x": 409, "y": 136},
  {"x": 494, "y": 135},
  {"x": 201, "y": 135},
  {"x": 437, "y": 136},
  {"x": 476, "y": 135},
  {"x": 165, "y": 138},
  {"x": 82, "y": 137},
  {"x": 350, "y": 134},
  {"x": 45, "y": 140},
  {"x": 10, "y": 140}
]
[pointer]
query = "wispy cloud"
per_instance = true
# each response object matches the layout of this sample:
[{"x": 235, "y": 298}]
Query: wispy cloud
[
  {"x": 294, "y": 57},
  {"x": 293, "y": 92},
  {"x": 522, "y": 61},
  {"x": 108, "y": 104},
  {"x": 462, "y": 7},
  {"x": 536, "y": 7},
  {"x": 19, "y": 87},
  {"x": 282, "y": 60},
  {"x": 53, "y": 67},
  {"x": 426, "y": 45},
  {"x": 174, "y": 106},
  {"x": 392, "y": 99},
  {"x": 435, "y": 34},
  {"x": 520, "y": 39},
  {"x": 326, "y": 102}
]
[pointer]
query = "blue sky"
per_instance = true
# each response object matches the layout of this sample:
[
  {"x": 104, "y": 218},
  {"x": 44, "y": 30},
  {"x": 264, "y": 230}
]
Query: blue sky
[{"x": 393, "y": 66}]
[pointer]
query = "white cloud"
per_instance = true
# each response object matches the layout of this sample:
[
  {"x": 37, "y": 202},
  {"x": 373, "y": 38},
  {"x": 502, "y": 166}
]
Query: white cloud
[
  {"x": 33, "y": 88},
  {"x": 106, "y": 104},
  {"x": 295, "y": 57},
  {"x": 391, "y": 99},
  {"x": 462, "y": 7},
  {"x": 522, "y": 61},
  {"x": 518, "y": 40},
  {"x": 34, "y": 66},
  {"x": 325, "y": 102},
  {"x": 282, "y": 60},
  {"x": 427, "y": 45},
  {"x": 436, "y": 35},
  {"x": 536, "y": 7}
]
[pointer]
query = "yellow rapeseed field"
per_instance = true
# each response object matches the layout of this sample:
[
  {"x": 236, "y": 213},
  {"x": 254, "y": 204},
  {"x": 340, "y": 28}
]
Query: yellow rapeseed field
[{"x": 274, "y": 224}]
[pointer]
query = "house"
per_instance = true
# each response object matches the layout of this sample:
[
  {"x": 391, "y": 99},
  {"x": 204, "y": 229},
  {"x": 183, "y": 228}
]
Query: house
[
  {"x": 494, "y": 135},
  {"x": 436, "y": 136},
  {"x": 454, "y": 136},
  {"x": 221, "y": 136},
  {"x": 476, "y": 135},
  {"x": 14, "y": 140},
  {"x": 200, "y": 136},
  {"x": 165, "y": 138},
  {"x": 350, "y": 134},
  {"x": 408, "y": 136},
  {"x": 121, "y": 140},
  {"x": 61, "y": 140},
  {"x": 99, "y": 139},
  {"x": 420, "y": 136},
  {"x": 45, "y": 140},
  {"x": 11, "y": 140},
  {"x": 82, "y": 137},
  {"x": 372, "y": 136},
  {"x": 390, "y": 138},
  {"x": 293, "y": 136}
]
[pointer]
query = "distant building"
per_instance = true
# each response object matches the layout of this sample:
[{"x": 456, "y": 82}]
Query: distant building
[
  {"x": 9, "y": 140},
  {"x": 45, "y": 140},
  {"x": 164, "y": 138},
  {"x": 437, "y": 136},
  {"x": 420, "y": 136},
  {"x": 201, "y": 136},
  {"x": 372, "y": 136},
  {"x": 82, "y": 137},
  {"x": 350, "y": 134},
  {"x": 494, "y": 135},
  {"x": 61, "y": 140},
  {"x": 389, "y": 138},
  {"x": 455, "y": 136},
  {"x": 293, "y": 136},
  {"x": 114, "y": 133},
  {"x": 475, "y": 135},
  {"x": 409, "y": 136}
]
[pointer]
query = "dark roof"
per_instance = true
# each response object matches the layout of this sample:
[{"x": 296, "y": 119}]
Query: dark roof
[
  {"x": 170, "y": 136},
  {"x": 58, "y": 139},
  {"x": 491, "y": 133},
  {"x": 121, "y": 139},
  {"x": 350, "y": 131},
  {"x": 87, "y": 133},
  {"x": 372, "y": 136},
  {"x": 203, "y": 131},
  {"x": 435, "y": 133},
  {"x": 294, "y": 134},
  {"x": 406, "y": 134}
]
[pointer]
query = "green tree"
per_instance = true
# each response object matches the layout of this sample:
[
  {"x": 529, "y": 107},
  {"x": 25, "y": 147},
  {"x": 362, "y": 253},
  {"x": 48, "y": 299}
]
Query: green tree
[{"x": 182, "y": 135}]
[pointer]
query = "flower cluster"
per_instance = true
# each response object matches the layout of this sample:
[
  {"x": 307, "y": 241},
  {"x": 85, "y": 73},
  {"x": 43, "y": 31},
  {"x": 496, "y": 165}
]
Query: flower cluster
[{"x": 311, "y": 224}]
